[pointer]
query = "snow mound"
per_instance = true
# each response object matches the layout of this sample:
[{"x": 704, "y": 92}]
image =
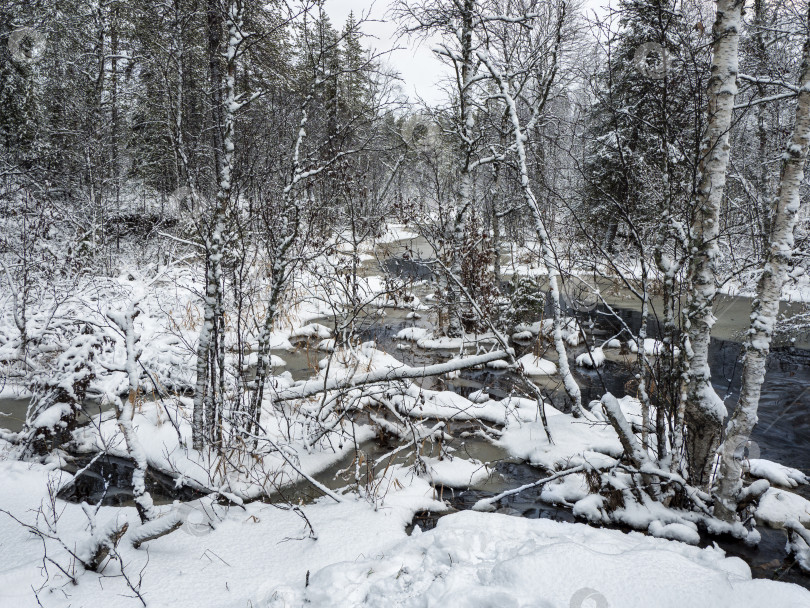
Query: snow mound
[
  {"x": 327, "y": 345},
  {"x": 478, "y": 560},
  {"x": 441, "y": 343},
  {"x": 498, "y": 364},
  {"x": 396, "y": 232},
  {"x": 535, "y": 366},
  {"x": 312, "y": 330},
  {"x": 411, "y": 333},
  {"x": 479, "y": 396},
  {"x": 570, "y": 329},
  {"x": 594, "y": 358},
  {"x": 571, "y": 437},
  {"x": 456, "y": 473},
  {"x": 777, "y": 506},
  {"x": 776, "y": 473},
  {"x": 252, "y": 360},
  {"x": 652, "y": 347},
  {"x": 630, "y": 406}
]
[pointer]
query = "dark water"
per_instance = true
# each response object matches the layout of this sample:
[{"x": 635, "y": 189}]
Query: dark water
[
  {"x": 108, "y": 480},
  {"x": 782, "y": 434},
  {"x": 783, "y": 431}
]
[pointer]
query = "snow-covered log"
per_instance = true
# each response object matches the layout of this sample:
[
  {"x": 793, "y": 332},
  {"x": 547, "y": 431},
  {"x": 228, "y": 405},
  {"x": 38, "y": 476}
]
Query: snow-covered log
[
  {"x": 100, "y": 544},
  {"x": 313, "y": 387},
  {"x": 156, "y": 528}
]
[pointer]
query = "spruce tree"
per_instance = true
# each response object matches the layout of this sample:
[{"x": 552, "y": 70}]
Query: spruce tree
[{"x": 642, "y": 120}]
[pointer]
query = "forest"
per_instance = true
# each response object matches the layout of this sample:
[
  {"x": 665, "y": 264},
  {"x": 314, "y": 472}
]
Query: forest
[{"x": 278, "y": 329}]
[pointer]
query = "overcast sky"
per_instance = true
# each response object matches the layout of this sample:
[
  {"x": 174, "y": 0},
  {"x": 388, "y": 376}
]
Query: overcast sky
[{"x": 419, "y": 68}]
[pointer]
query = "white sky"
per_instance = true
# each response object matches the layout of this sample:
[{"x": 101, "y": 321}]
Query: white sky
[
  {"x": 420, "y": 70},
  {"x": 416, "y": 64}
]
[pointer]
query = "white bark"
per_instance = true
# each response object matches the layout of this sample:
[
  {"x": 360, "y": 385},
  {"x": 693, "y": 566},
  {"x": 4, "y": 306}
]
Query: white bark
[
  {"x": 210, "y": 346},
  {"x": 156, "y": 528},
  {"x": 466, "y": 126},
  {"x": 765, "y": 308},
  {"x": 549, "y": 259},
  {"x": 313, "y": 387},
  {"x": 281, "y": 271},
  {"x": 634, "y": 451},
  {"x": 125, "y": 411},
  {"x": 704, "y": 411}
]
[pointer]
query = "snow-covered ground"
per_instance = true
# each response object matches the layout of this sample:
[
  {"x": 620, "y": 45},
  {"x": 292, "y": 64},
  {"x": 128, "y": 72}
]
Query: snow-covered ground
[
  {"x": 359, "y": 555},
  {"x": 259, "y": 554},
  {"x": 484, "y": 560}
]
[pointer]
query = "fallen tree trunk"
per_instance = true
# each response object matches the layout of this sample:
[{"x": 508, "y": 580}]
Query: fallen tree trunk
[{"x": 406, "y": 372}]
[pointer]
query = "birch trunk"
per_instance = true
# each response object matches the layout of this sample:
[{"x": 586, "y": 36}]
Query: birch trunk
[
  {"x": 496, "y": 224},
  {"x": 547, "y": 252},
  {"x": 765, "y": 307},
  {"x": 125, "y": 412},
  {"x": 704, "y": 411},
  {"x": 210, "y": 349},
  {"x": 466, "y": 125},
  {"x": 281, "y": 271}
]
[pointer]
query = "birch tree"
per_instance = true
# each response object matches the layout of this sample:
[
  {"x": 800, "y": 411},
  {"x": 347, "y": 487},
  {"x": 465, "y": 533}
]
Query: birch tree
[
  {"x": 703, "y": 410},
  {"x": 124, "y": 321},
  {"x": 208, "y": 395},
  {"x": 311, "y": 158},
  {"x": 525, "y": 75},
  {"x": 765, "y": 307},
  {"x": 456, "y": 22}
]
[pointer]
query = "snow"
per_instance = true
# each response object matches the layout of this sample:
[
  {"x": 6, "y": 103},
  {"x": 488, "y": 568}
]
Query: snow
[
  {"x": 417, "y": 402},
  {"x": 796, "y": 287},
  {"x": 442, "y": 343},
  {"x": 776, "y": 473},
  {"x": 479, "y": 560},
  {"x": 593, "y": 358},
  {"x": 411, "y": 333},
  {"x": 571, "y": 437},
  {"x": 327, "y": 345},
  {"x": 252, "y": 359},
  {"x": 372, "y": 528},
  {"x": 570, "y": 329},
  {"x": 312, "y": 330},
  {"x": 630, "y": 408},
  {"x": 197, "y": 565},
  {"x": 536, "y": 366},
  {"x": 456, "y": 473},
  {"x": 471, "y": 559},
  {"x": 425, "y": 339},
  {"x": 500, "y": 364},
  {"x": 395, "y": 233},
  {"x": 675, "y": 531},
  {"x": 51, "y": 416},
  {"x": 778, "y": 506},
  {"x": 479, "y": 396},
  {"x": 156, "y": 426},
  {"x": 652, "y": 347}
]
